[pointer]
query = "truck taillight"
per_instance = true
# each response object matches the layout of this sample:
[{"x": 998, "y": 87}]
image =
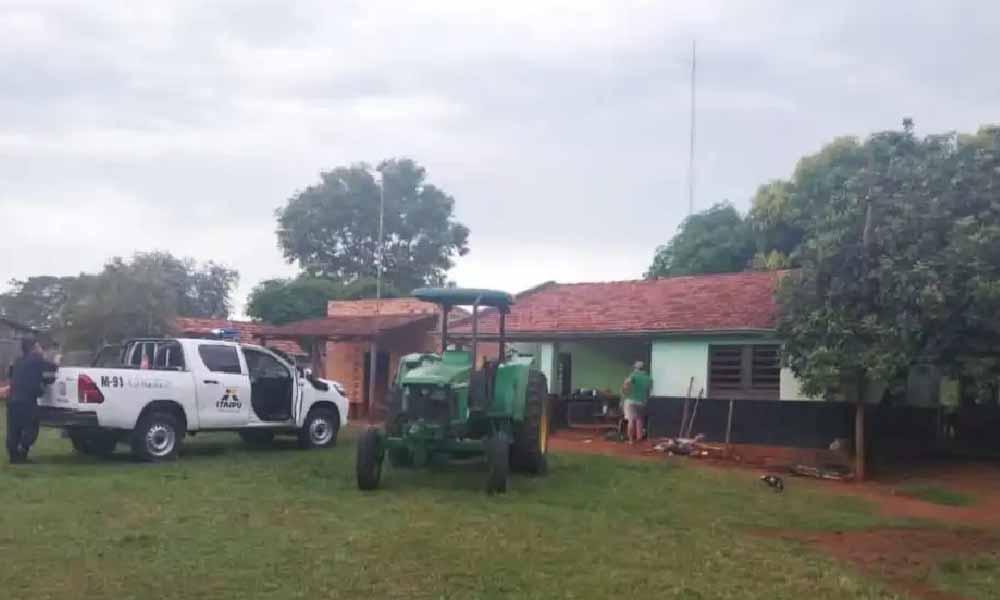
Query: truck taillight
[{"x": 87, "y": 391}]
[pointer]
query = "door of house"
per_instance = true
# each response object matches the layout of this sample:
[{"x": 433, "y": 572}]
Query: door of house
[
  {"x": 373, "y": 406},
  {"x": 565, "y": 374}
]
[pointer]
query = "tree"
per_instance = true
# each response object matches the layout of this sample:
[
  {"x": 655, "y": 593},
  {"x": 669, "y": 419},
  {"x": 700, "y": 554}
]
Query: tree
[
  {"x": 142, "y": 296},
  {"x": 200, "y": 290},
  {"x": 716, "y": 240},
  {"x": 36, "y": 301},
  {"x": 280, "y": 301},
  {"x": 780, "y": 210},
  {"x": 331, "y": 228},
  {"x": 900, "y": 263}
]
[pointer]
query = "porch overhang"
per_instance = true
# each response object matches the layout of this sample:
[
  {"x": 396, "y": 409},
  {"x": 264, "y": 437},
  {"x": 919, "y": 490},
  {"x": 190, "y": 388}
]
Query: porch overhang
[{"x": 549, "y": 336}]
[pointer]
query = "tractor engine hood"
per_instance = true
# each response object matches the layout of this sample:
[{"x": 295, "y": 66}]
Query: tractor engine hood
[
  {"x": 437, "y": 373},
  {"x": 451, "y": 368}
]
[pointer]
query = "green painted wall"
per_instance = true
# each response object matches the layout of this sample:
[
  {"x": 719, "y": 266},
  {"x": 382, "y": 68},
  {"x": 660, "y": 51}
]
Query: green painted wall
[{"x": 603, "y": 364}]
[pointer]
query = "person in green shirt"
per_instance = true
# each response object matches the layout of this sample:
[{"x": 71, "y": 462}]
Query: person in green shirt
[{"x": 635, "y": 392}]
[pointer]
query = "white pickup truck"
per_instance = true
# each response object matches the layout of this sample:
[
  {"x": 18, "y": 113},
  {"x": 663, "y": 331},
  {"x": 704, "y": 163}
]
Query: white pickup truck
[{"x": 156, "y": 391}]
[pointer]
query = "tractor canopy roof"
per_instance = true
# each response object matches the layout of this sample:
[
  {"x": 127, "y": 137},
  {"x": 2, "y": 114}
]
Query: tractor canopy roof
[{"x": 465, "y": 297}]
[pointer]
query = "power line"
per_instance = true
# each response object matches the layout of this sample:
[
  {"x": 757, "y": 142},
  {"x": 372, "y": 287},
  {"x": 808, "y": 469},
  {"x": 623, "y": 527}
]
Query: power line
[{"x": 691, "y": 145}]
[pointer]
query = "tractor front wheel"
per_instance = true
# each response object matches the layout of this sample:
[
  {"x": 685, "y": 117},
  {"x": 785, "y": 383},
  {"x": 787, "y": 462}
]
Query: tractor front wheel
[
  {"x": 531, "y": 441},
  {"x": 498, "y": 460},
  {"x": 369, "y": 464}
]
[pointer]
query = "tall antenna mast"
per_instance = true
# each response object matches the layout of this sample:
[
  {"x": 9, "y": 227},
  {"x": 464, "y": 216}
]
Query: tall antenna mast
[{"x": 691, "y": 147}]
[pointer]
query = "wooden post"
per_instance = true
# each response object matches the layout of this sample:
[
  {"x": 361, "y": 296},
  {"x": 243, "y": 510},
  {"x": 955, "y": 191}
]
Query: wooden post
[
  {"x": 859, "y": 442},
  {"x": 729, "y": 426},
  {"x": 684, "y": 414}
]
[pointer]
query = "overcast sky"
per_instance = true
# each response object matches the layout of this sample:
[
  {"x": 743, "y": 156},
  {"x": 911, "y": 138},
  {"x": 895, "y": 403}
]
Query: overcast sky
[{"x": 561, "y": 128}]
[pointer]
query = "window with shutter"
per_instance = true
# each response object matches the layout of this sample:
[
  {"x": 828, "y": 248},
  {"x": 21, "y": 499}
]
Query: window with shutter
[{"x": 744, "y": 372}]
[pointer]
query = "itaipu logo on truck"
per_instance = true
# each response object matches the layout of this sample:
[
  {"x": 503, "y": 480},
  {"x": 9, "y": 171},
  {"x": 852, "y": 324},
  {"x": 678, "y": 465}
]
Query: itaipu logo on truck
[{"x": 229, "y": 402}]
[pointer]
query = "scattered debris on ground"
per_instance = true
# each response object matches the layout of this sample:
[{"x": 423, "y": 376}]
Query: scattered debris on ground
[{"x": 832, "y": 472}]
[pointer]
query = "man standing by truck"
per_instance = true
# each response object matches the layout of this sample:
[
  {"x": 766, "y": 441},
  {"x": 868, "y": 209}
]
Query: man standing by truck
[
  {"x": 635, "y": 392},
  {"x": 27, "y": 378}
]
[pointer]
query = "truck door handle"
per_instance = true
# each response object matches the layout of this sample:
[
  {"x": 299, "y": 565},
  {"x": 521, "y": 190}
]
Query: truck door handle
[{"x": 211, "y": 382}]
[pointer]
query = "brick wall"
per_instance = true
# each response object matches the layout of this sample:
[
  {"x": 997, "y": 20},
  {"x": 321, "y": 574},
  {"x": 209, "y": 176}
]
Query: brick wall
[
  {"x": 345, "y": 361},
  {"x": 345, "y": 364},
  {"x": 386, "y": 306}
]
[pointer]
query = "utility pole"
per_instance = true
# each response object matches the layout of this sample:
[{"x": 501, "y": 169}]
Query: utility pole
[
  {"x": 691, "y": 145},
  {"x": 379, "y": 251}
]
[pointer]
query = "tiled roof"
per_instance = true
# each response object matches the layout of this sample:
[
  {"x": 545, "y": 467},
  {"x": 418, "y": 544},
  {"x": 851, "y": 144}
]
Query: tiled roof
[
  {"x": 385, "y": 306},
  {"x": 700, "y": 303},
  {"x": 353, "y": 326},
  {"x": 249, "y": 332}
]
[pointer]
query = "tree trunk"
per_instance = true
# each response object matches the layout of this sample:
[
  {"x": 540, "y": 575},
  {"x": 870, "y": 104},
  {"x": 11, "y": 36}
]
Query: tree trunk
[{"x": 860, "y": 449}]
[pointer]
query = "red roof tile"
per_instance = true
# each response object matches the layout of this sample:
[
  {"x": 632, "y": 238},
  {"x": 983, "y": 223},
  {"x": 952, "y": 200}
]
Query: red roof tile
[
  {"x": 709, "y": 303},
  {"x": 353, "y": 326},
  {"x": 249, "y": 332}
]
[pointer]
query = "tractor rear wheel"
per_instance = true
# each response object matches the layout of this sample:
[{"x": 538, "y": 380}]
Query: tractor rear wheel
[
  {"x": 369, "y": 465},
  {"x": 531, "y": 441},
  {"x": 498, "y": 461}
]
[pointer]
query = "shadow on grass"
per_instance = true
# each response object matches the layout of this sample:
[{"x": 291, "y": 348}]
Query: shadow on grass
[{"x": 194, "y": 448}]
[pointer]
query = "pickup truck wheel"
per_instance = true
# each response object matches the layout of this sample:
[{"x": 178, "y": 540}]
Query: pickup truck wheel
[
  {"x": 257, "y": 437},
  {"x": 157, "y": 437},
  {"x": 101, "y": 444},
  {"x": 320, "y": 429}
]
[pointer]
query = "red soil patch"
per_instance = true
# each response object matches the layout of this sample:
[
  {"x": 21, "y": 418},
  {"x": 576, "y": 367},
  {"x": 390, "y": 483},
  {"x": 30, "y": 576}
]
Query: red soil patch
[
  {"x": 593, "y": 442},
  {"x": 904, "y": 558}
]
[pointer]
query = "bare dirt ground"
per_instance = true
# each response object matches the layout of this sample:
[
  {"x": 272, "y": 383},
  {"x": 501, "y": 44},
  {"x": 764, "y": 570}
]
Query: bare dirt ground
[{"x": 904, "y": 557}]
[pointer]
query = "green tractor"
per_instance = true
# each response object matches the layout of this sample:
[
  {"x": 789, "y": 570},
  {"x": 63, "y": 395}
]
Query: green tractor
[{"x": 443, "y": 408}]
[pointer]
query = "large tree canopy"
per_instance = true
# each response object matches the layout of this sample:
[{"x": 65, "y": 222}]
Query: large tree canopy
[
  {"x": 331, "y": 228},
  {"x": 281, "y": 301},
  {"x": 900, "y": 259},
  {"x": 138, "y": 296},
  {"x": 36, "y": 301},
  {"x": 716, "y": 240},
  {"x": 781, "y": 210}
]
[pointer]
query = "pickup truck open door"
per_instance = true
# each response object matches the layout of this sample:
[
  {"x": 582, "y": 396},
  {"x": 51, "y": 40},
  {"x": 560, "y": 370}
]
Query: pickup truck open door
[{"x": 220, "y": 376}]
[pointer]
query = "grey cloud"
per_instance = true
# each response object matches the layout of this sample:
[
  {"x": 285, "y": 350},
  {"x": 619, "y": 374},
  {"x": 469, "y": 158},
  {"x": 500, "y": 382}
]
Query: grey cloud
[{"x": 562, "y": 131}]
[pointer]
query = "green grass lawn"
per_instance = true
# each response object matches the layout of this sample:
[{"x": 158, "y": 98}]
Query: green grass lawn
[
  {"x": 977, "y": 577},
  {"x": 936, "y": 494},
  {"x": 226, "y": 521}
]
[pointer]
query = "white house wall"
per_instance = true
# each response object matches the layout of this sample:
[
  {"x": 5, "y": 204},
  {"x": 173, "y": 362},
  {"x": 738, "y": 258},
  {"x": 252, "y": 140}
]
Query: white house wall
[{"x": 675, "y": 361}]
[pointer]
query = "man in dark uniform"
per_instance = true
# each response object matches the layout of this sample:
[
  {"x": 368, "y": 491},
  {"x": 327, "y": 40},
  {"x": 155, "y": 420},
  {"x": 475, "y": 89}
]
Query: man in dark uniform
[{"x": 27, "y": 378}]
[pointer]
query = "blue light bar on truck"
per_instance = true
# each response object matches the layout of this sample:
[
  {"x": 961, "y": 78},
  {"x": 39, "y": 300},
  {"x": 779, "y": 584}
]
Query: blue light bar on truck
[{"x": 226, "y": 334}]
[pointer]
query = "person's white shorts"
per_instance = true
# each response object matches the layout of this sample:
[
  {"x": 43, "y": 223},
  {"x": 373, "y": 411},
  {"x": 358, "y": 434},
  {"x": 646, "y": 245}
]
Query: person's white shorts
[{"x": 633, "y": 411}]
